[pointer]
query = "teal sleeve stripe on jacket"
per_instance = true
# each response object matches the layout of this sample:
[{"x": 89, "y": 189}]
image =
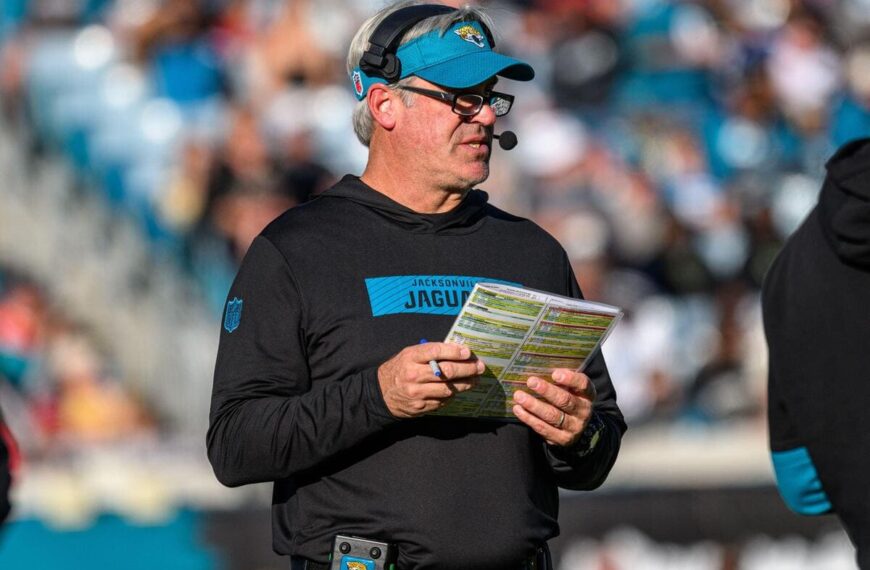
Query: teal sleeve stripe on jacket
[{"x": 799, "y": 483}]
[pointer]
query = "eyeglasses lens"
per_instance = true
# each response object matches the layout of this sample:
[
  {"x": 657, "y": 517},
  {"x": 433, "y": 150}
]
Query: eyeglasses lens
[
  {"x": 468, "y": 104},
  {"x": 500, "y": 106}
]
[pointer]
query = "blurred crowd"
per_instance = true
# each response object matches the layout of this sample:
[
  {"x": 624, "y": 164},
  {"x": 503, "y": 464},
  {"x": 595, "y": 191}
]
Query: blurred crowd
[
  {"x": 628, "y": 548},
  {"x": 671, "y": 146},
  {"x": 59, "y": 388}
]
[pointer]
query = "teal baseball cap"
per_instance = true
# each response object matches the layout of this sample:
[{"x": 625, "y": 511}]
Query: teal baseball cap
[{"x": 458, "y": 58}]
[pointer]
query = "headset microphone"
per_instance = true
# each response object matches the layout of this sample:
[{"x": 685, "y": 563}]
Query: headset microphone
[{"x": 506, "y": 140}]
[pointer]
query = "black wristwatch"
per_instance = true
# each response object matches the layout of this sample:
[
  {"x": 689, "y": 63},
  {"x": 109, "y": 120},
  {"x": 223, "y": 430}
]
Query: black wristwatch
[{"x": 590, "y": 435}]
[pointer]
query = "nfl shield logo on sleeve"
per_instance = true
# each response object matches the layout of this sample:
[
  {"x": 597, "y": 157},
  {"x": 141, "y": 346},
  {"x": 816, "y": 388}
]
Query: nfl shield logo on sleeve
[{"x": 233, "y": 315}]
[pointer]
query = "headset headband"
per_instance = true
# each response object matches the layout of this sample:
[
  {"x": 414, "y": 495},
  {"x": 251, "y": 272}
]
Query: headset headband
[{"x": 380, "y": 60}]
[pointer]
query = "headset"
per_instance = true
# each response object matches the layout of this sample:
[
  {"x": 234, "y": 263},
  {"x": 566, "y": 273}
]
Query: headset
[{"x": 380, "y": 60}]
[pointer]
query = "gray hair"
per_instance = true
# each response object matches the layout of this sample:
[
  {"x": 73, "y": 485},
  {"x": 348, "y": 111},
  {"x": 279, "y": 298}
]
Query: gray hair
[{"x": 363, "y": 123}]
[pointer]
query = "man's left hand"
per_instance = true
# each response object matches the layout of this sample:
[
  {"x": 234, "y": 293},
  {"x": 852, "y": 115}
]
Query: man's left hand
[{"x": 564, "y": 407}]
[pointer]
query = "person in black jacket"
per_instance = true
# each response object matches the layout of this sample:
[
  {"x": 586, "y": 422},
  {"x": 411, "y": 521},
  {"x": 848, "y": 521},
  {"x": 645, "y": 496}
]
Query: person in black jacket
[
  {"x": 7, "y": 450},
  {"x": 816, "y": 305},
  {"x": 321, "y": 383}
]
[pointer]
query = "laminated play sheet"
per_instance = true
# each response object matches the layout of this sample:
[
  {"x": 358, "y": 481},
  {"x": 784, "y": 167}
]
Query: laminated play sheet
[{"x": 520, "y": 333}]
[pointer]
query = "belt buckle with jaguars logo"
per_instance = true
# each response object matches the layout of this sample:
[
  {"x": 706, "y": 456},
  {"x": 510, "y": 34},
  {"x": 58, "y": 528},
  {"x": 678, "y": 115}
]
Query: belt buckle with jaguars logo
[{"x": 358, "y": 553}]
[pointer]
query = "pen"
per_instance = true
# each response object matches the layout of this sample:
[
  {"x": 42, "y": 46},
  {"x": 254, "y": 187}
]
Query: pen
[{"x": 433, "y": 364}]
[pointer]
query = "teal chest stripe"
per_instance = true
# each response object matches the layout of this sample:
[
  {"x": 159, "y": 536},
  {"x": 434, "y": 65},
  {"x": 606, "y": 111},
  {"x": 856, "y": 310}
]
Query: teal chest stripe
[
  {"x": 429, "y": 294},
  {"x": 799, "y": 482}
]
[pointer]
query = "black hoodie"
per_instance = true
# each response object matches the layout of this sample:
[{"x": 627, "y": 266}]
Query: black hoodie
[
  {"x": 328, "y": 292},
  {"x": 816, "y": 304},
  {"x": 7, "y": 455}
]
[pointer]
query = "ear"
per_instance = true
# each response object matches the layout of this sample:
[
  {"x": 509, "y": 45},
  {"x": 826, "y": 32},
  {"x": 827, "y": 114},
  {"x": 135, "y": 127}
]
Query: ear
[{"x": 382, "y": 105}]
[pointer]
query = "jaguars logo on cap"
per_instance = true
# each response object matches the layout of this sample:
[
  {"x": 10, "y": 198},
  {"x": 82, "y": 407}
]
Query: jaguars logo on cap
[
  {"x": 470, "y": 34},
  {"x": 356, "y": 566}
]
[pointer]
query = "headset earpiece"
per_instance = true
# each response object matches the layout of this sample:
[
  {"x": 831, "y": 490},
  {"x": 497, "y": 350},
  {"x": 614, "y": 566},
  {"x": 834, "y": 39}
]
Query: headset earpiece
[
  {"x": 385, "y": 65},
  {"x": 392, "y": 69}
]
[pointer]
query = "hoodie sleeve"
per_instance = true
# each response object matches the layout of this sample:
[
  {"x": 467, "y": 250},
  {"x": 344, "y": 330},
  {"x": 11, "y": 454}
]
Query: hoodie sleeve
[
  {"x": 797, "y": 479},
  {"x": 572, "y": 467},
  {"x": 268, "y": 419}
]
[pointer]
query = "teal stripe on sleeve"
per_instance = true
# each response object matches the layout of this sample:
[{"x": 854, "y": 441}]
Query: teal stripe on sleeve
[{"x": 799, "y": 483}]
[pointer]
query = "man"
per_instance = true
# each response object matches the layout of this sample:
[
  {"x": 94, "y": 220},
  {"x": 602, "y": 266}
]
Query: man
[
  {"x": 321, "y": 382},
  {"x": 816, "y": 303},
  {"x": 8, "y": 458}
]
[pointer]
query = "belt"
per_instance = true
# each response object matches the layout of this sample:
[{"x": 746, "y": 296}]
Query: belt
[
  {"x": 297, "y": 563},
  {"x": 540, "y": 560}
]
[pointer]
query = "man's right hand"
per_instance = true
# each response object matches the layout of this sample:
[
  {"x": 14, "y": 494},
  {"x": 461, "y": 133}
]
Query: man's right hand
[{"x": 411, "y": 389}]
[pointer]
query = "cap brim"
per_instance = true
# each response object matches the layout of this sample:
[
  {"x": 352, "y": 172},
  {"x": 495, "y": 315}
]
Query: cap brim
[{"x": 475, "y": 68}]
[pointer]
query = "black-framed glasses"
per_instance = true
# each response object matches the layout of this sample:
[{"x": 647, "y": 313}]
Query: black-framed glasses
[{"x": 468, "y": 104}]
